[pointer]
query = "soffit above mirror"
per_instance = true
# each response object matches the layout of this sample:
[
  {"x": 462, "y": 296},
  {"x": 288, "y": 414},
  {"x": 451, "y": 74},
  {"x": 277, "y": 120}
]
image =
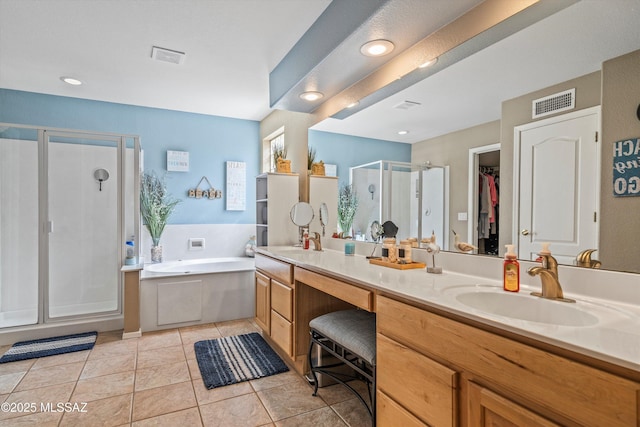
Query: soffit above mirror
[{"x": 327, "y": 59}]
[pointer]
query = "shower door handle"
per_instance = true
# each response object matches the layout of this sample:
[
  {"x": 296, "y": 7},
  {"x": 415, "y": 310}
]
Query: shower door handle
[{"x": 48, "y": 227}]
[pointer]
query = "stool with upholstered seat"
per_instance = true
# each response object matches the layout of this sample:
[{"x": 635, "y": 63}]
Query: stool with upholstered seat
[{"x": 350, "y": 336}]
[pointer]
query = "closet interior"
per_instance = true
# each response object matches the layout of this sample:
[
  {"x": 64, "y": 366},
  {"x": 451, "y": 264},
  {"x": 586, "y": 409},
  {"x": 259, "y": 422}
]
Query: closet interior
[{"x": 488, "y": 203}]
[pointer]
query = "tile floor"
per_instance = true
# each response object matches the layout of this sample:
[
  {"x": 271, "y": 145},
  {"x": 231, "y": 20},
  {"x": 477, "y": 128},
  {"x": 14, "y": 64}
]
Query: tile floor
[{"x": 155, "y": 381}]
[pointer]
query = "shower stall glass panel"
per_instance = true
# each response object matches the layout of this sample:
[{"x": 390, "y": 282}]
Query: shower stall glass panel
[
  {"x": 18, "y": 226},
  {"x": 83, "y": 223}
]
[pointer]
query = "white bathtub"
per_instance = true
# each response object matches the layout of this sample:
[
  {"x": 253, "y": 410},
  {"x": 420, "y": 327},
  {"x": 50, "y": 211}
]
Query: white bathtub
[
  {"x": 200, "y": 266},
  {"x": 191, "y": 292}
]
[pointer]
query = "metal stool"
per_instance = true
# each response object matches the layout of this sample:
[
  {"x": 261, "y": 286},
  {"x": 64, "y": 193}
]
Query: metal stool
[{"x": 350, "y": 336}]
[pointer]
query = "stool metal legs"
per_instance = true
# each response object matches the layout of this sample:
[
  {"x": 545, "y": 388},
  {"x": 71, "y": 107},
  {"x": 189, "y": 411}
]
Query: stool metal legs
[{"x": 364, "y": 370}]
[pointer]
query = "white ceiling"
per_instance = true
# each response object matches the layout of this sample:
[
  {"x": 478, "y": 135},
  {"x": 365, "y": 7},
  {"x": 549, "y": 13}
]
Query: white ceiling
[{"x": 232, "y": 45}]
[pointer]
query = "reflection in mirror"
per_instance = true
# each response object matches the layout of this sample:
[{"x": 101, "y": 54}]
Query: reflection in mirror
[
  {"x": 412, "y": 196},
  {"x": 301, "y": 214},
  {"x": 324, "y": 216}
]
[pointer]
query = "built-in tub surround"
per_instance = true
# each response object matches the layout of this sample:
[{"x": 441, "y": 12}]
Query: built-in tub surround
[
  {"x": 612, "y": 297},
  {"x": 183, "y": 293}
]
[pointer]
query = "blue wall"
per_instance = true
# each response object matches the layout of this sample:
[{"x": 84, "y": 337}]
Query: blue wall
[
  {"x": 210, "y": 141},
  {"x": 348, "y": 151}
]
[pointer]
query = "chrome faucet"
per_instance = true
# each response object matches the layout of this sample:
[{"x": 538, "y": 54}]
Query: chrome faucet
[
  {"x": 317, "y": 244},
  {"x": 548, "y": 273}
]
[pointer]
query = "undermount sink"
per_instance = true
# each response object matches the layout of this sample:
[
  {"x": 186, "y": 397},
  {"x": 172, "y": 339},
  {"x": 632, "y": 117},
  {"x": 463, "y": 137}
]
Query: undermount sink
[{"x": 527, "y": 307}]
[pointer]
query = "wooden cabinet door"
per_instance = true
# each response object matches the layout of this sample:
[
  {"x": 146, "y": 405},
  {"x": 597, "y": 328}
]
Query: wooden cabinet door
[
  {"x": 263, "y": 302},
  {"x": 488, "y": 409}
]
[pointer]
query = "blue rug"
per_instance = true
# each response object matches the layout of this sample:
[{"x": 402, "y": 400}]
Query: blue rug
[
  {"x": 50, "y": 346},
  {"x": 230, "y": 360}
]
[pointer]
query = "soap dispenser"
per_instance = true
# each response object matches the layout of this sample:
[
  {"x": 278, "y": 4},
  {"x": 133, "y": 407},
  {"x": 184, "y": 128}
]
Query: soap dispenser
[{"x": 511, "y": 273}]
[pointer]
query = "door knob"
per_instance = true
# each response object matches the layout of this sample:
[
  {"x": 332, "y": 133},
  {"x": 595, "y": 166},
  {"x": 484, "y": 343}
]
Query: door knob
[{"x": 525, "y": 232}]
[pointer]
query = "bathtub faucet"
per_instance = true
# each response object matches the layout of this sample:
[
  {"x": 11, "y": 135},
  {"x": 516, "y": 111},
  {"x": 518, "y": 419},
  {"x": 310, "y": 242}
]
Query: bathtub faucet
[{"x": 317, "y": 244}]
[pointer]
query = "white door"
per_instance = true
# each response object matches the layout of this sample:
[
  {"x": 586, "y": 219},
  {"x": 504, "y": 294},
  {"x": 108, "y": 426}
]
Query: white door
[{"x": 559, "y": 185}]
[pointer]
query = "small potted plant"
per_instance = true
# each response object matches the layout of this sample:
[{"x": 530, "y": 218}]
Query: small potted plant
[
  {"x": 311, "y": 157},
  {"x": 156, "y": 205},
  {"x": 279, "y": 159},
  {"x": 347, "y": 207}
]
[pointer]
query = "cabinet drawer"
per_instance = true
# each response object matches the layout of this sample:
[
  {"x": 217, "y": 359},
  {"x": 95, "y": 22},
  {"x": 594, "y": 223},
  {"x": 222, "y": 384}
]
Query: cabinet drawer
[
  {"x": 282, "y": 332},
  {"x": 359, "y": 297},
  {"x": 282, "y": 299},
  {"x": 389, "y": 413},
  {"x": 274, "y": 268},
  {"x": 425, "y": 387}
]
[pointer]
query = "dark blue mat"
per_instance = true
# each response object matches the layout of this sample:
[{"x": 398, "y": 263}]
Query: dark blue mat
[
  {"x": 230, "y": 360},
  {"x": 50, "y": 346}
]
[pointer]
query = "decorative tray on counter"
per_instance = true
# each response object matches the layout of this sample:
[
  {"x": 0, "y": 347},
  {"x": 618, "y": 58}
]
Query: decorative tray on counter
[{"x": 396, "y": 265}]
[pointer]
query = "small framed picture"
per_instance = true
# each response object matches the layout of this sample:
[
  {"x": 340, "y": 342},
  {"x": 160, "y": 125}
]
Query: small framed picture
[{"x": 177, "y": 161}]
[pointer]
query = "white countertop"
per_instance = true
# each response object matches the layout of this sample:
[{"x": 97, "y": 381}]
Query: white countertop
[{"x": 613, "y": 337}]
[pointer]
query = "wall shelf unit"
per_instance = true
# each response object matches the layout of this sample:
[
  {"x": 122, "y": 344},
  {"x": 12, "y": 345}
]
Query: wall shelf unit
[{"x": 276, "y": 193}]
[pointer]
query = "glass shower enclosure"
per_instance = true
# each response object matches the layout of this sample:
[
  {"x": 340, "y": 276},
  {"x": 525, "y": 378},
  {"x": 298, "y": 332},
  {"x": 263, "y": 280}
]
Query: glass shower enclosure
[
  {"x": 414, "y": 197},
  {"x": 68, "y": 204}
]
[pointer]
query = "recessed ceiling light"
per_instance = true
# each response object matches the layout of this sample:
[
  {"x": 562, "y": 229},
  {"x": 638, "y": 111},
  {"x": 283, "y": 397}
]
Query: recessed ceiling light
[
  {"x": 403, "y": 132},
  {"x": 71, "y": 81},
  {"x": 428, "y": 63},
  {"x": 353, "y": 104},
  {"x": 376, "y": 48},
  {"x": 311, "y": 95}
]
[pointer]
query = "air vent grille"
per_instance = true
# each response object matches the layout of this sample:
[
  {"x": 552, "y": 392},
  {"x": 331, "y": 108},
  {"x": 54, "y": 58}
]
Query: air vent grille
[
  {"x": 405, "y": 105},
  {"x": 561, "y": 101},
  {"x": 167, "y": 55}
]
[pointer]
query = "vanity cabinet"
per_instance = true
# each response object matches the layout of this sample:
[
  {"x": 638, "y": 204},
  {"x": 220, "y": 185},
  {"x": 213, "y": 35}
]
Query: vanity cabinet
[
  {"x": 276, "y": 193},
  {"x": 274, "y": 301},
  {"x": 446, "y": 373}
]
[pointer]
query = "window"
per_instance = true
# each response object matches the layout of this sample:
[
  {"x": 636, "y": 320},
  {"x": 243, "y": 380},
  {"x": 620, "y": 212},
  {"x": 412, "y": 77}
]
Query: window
[{"x": 269, "y": 146}]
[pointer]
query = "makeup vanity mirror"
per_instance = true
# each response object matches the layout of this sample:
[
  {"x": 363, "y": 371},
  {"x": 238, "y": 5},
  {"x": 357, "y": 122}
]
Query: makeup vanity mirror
[
  {"x": 324, "y": 216},
  {"x": 301, "y": 214}
]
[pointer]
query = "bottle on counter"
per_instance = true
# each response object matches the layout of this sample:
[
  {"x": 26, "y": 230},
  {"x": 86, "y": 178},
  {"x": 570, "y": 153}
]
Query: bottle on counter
[
  {"x": 404, "y": 251},
  {"x": 511, "y": 273},
  {"x": 305, "y": 239},
  {"x": 130, "y": 252}
]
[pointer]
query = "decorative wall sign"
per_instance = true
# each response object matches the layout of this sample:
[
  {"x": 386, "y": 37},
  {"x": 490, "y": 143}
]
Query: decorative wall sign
[
  {"x": 626, "y": 167},
  {"x": 236, "y": 186},
  {"x": 330, "y": 170},
  {"x": 198, "y": 193},
  {"x": 177, "y": 161}
]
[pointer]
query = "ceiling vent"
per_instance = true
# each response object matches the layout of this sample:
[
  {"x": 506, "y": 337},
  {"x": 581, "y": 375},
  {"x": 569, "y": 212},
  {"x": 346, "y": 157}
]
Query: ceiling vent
[
  {"x": 405, "y": 105},
  {"x": 551, "y": 104},
  {"x": 167, "y": 55}
]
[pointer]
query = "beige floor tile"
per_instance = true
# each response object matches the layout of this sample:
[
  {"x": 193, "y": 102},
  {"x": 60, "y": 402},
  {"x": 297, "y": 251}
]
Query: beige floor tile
[
  {"x": 42, "y": 419},
  {"x": 205, "y": 396},
  {"x": 338, "y": 393},
  {"x": 198, "y": 333},
  {"x": 109, "y": 412},
  {"x": 188, "y": 417},
  {"x": 9, "y": 381},
  {"x": 353, "y": 413},
  {"x": 50, "y": 376},
  {"x": 275, "y": 380},
  {"x": 19, "y": 366},
  {"x": 51, "y": 394},
  {"x": 159, "y": 339},
  {"x": 323, "y": 417},
  {"x": 61, "y": 359},
  {"x": 194, "y": 369},
  {"x": 189, "y": 352},
  {"x": 112, "y": 365},
  {"x": 114, "y": 348},
  {"x": 155, "y": 357},
  {"x": 103, "y": 387},
  {"x": 290, "y": 399},
  {"x": 163, "y": 400},
  {"x": 239, "y": 411},
  {"x": 161, "y": 375},
  {"x": 236, "y": 327}
]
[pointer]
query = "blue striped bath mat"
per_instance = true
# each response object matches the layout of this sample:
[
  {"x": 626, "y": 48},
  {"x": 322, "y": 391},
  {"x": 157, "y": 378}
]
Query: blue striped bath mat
[
  {"x": 230, "y": 360},
  {"x": 50, "y": 346}
]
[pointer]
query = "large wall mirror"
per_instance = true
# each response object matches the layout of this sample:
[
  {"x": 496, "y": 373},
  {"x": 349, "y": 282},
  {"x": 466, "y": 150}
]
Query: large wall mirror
[{"x": 600, "y": 45}]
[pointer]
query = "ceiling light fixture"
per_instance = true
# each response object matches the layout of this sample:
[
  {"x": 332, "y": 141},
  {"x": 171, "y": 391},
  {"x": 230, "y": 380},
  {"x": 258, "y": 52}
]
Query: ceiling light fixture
[
  {"x": 376, "y": 48},
  {"x": 428, "y": 63},
  {"x": 355, "y": 104},
  {"x": 71, "y": 80},
  {"x": 403, "y": 132},
  {"x": 311, "y": 96}
]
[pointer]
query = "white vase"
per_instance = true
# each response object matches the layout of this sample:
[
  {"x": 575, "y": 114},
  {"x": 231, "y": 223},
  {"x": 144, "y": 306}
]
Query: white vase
[{"x": 156, "y": 254}]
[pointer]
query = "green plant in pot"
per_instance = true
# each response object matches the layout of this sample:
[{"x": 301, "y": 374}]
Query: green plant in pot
[
  {"x": 156, "y": 205},
  {"x": 311, "y": 157},
  {"x": 347, "y": 207},
  {"x": 279, "y": 159}
]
